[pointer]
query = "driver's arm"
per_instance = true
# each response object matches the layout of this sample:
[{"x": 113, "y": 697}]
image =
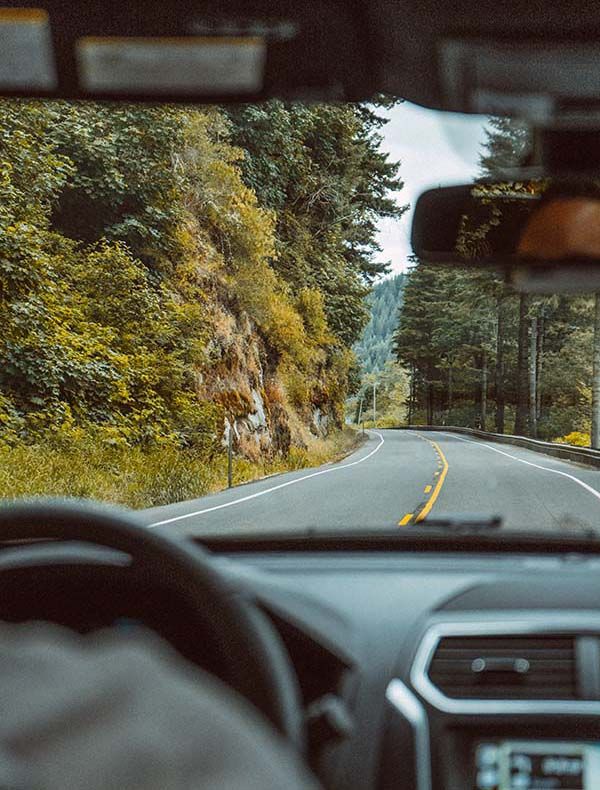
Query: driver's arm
[{"x": 112, "y": 712}]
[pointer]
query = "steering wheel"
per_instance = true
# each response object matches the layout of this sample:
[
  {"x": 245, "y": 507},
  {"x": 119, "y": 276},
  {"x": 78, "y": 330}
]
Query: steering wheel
[{"x": 250, "y": 656}]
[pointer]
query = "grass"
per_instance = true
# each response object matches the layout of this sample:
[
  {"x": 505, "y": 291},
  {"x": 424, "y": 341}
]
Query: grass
[{"x": 137, "y": 478}]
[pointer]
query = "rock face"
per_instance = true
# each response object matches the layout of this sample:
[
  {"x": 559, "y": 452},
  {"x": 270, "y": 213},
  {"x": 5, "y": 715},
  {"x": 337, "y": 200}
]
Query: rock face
[
  {"x": 248, "y": 386},
  {"x": 320, "y": 420},
  {"x": 258, "y": 418}
]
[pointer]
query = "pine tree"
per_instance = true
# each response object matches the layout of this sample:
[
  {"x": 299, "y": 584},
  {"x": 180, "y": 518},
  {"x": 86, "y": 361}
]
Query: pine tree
[{"x": 321, "y": 169}]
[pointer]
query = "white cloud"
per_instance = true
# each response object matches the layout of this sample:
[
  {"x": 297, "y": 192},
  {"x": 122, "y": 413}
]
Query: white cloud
[{"x": 434, "y": 149}]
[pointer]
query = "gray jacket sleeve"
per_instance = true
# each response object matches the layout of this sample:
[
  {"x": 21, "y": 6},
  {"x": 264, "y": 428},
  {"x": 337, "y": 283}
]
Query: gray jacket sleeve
[{"x": 120, "y": 712}]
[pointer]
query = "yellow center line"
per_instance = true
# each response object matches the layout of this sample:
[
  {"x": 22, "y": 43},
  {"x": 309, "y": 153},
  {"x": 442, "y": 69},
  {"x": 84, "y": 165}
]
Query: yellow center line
[
  {"x": 438, "y": 486},
  {"x": 405, "y": 519},
  {"x": 428, "y": 489}
]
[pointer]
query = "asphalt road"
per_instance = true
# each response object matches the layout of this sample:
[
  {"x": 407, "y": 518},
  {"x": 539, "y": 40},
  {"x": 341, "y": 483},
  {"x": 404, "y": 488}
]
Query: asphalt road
[{"x": 399, "y": 478}]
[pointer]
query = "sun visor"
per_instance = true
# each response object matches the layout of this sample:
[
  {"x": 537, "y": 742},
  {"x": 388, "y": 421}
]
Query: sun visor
[
  {"x": 184, "y": 50},
  {"x": 26, "y": 56},
  {"x": 539, "y": 82},
  {"x": 172, "y": 66}
]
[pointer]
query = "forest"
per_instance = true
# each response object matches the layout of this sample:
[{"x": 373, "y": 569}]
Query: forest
[
  {"x": 478, "y": 354},
  {"x": 374, "y": 348},
  {"x": 172, "y": 274}
]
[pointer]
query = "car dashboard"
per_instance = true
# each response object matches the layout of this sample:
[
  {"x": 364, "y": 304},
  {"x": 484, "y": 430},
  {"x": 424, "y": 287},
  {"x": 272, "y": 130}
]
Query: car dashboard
[{"x": 451, "y": 670}]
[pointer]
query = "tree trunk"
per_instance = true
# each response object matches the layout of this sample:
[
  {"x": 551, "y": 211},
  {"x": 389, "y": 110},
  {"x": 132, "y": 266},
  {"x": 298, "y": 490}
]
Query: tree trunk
[
  {"x": 539, "y": 365},
  {"x": 533, "y": 378},
  {"x": 522, "y": 368},
  {"x": 500, "y": 365},
  {"x": 411, "y": 395},
  {"x": 429, "y": 404},
  {"x": 450, "y": 393},
  {"x": 484, "y": 386},
  {"x": 596, "y": 376}
]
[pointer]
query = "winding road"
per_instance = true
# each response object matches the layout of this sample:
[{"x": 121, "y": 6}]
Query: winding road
[{"x": 399, "y": 478}]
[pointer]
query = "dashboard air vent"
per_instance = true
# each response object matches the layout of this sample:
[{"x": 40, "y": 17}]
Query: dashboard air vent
[{"x": 505, "y": 667}]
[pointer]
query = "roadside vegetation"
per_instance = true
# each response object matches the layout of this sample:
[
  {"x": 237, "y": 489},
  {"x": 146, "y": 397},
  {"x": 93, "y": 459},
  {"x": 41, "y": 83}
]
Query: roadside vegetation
[
  {"x": 375, "y": 347},
  {"x": 468, "y": 351},
  {"x": 140, "y": 478},
  {"x": 379, "y": 368},
  {"x": 168, "y": 274},
  {"x": 481, "y": 355}
]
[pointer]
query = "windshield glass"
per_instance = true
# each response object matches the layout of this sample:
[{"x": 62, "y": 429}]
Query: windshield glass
[{"x": 196, "y": 298}]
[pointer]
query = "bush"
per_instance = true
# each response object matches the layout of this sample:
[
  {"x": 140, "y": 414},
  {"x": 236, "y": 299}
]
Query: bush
[
  {"x": 575, "y": 438},
  {"x": 563, "y": 420}
]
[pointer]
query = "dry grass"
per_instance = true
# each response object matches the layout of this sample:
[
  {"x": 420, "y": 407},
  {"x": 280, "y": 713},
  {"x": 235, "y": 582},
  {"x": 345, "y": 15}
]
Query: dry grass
[{"x": 138, "y": 478}]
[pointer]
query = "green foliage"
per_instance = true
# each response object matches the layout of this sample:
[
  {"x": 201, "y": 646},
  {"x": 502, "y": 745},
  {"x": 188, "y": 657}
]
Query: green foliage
[
  {"x": 375, "y": 346},
  {"x": 475, "y": 350},
  {"x": 124, "y": 185},
  {"x": 89, "y": 336},
  {"x": 575, "y": 438},
  {"x": 447, "y": 338},
  {"x": 141, "y": 477},
  {"x": 159, "y": 263},
  {"x": 320, "y": 169},
  {"x": 507, "y": 144},
  {"x": 392, "y": 389}
]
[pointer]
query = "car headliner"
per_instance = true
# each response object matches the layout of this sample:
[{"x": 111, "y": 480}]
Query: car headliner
[{"x": 317, "y": 49}]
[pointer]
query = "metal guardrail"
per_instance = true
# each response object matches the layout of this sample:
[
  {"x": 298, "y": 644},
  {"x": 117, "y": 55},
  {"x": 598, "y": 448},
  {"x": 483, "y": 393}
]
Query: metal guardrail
[{"x": 581, "y": 455}]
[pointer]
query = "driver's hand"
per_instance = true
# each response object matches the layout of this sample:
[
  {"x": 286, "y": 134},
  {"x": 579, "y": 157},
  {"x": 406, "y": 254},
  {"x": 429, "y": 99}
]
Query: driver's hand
[{"x": 111, "y": 712}]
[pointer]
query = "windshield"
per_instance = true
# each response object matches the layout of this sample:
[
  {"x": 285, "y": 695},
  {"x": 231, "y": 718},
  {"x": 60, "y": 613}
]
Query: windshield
[{"x": 192, "y": 299}]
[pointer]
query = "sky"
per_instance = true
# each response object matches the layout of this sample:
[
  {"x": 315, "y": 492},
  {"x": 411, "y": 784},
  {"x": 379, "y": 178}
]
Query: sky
[{"x": 434, "y": 149}]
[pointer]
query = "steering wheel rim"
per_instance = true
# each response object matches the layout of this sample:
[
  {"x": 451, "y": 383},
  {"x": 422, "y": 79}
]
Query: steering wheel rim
[{"x": 258, "y": 667}]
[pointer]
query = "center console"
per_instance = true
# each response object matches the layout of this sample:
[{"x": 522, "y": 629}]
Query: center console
[{"x": 509, "y": 703}]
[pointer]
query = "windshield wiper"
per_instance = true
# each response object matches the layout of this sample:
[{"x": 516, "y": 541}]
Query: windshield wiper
[{"x": 462, "y": 523}]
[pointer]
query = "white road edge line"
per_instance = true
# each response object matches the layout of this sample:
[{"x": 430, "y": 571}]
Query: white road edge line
[
  {"x": 579, "y": 482},
  {"x": 272, "y": 489}
]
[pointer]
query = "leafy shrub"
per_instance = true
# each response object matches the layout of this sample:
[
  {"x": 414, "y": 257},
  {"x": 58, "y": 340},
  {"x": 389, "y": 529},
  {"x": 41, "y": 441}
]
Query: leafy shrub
[
  {"x": 560, "y": 420},
  {"x": 576, "y": 438}
]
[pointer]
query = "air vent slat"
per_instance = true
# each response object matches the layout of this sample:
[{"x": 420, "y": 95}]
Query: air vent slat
[
  {"x": 511, "y": 667},
  {"x": 543, "y": 664},
  {"x": 449, "y": 680},
  {"x": 538, "y": 654},
  {"x": 500, "y": 693}
]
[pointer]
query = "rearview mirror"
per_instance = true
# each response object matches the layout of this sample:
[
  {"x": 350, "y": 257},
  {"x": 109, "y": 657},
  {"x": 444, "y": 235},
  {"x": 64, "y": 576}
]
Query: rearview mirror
[{"x": 544, "y": 236}]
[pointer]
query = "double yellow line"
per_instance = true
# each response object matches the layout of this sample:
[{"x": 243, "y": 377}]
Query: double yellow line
[{"x": 441, "y": 476}]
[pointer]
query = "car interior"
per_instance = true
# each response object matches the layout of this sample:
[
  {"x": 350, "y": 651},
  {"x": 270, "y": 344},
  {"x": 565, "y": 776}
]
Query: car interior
[{"x": 450, "y": 658}]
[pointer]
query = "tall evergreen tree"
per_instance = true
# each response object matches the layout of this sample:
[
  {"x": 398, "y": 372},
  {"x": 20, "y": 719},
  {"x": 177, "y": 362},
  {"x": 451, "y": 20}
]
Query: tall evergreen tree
[{"x": 322, "y": 170}]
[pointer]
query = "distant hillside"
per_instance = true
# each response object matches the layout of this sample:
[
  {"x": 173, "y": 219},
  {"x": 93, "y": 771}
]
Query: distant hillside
[{"x": 374, "y": 348}]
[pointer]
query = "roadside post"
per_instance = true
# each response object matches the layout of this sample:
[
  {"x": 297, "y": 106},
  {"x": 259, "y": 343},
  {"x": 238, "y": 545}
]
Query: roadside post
[
  {"x": 360, "y": 409},
  {"x": 230, "y": 457},
  {"x": 375, "y": 404}
]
